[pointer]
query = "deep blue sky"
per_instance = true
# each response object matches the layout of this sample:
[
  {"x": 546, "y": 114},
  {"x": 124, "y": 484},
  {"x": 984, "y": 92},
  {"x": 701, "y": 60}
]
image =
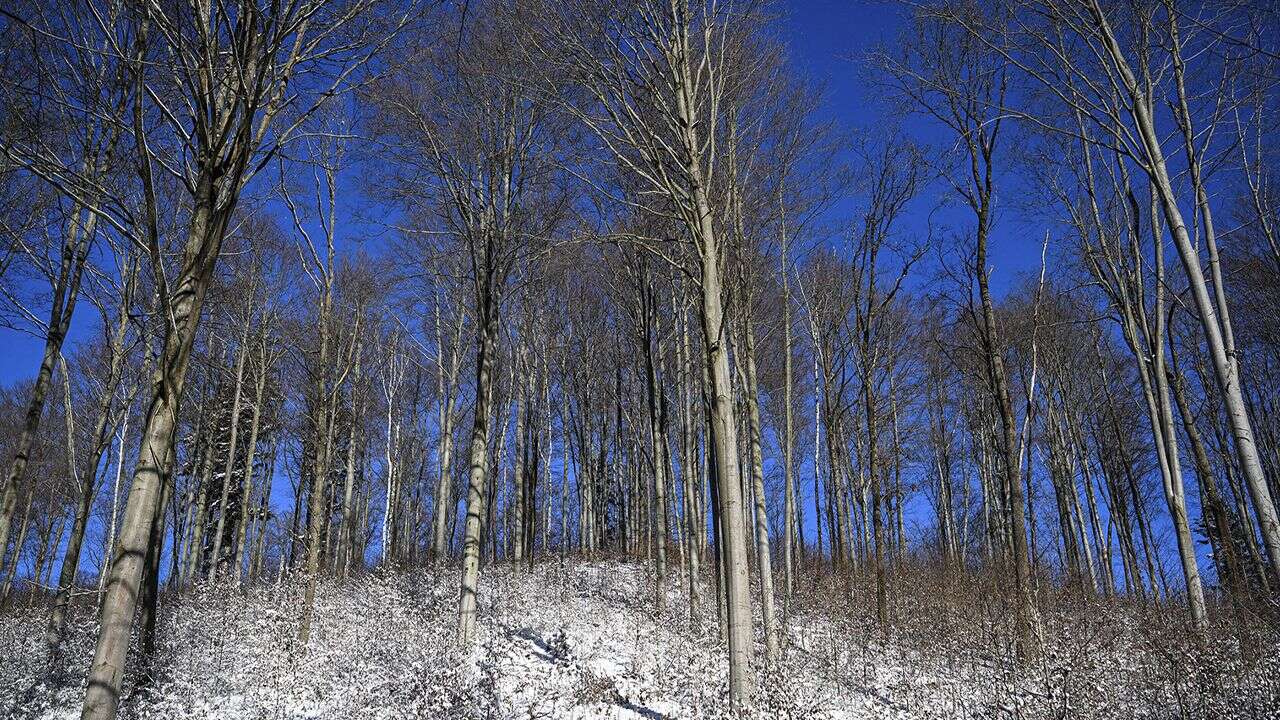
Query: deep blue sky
[{"x": 829, "y": 40}]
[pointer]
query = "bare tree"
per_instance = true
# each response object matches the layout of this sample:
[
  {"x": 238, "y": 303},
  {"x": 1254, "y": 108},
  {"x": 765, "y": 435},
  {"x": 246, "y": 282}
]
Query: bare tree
[
  {"x": 1123, "y": 72},
  {"x": 67, "y": 121},
  {"x": 486, "y": 147},
  {"x": 336, "y": 357},
  {"x": 229, "y": 93},
  {"x": 955, "y": 79},
  {"x": 653, "y": 76},
  {"x": 894, "y": 174}
]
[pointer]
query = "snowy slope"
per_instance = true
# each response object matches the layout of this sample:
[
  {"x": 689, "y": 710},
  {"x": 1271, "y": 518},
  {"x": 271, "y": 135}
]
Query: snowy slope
[{"x": 581, "y": 641}]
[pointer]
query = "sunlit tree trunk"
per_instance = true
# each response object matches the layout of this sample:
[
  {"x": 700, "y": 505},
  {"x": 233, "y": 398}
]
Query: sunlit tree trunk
[
  {"x": 206, "y": 230},
  {"x": 789, "y": 519},
  {"x": 447, "y": 385},
  {"x": 476, "y": 473}
]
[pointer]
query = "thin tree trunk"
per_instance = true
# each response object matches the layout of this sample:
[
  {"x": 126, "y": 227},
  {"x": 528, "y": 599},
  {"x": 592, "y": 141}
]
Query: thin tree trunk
[
  {"x": 689, "y": 471},
  {"x": 66, "y": 290},
  {"x": 242, "y": 355},
  {"x": 317, "y": 505},
  {"x": 1009, "y": 445},
  {"x": 12, "y": 570},
  {"x": 347, "y": 541},
  {"x": 444, "y": 485},
  {"x": 788, "y": 434},
  {"x": 520, "y": 506},
  {"x": 115, "y": 504},
  {"x": 246, "y": 488},
  {"x": 101, "y": 443},
  {"x": 196, "y": 548},
  {"x": 263, "y": 520},
  {"x": 657, "y": 437}
]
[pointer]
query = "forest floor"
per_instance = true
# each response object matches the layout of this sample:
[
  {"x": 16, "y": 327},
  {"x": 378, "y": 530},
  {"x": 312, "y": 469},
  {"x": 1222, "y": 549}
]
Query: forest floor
[{"x": 587, "y": 640}]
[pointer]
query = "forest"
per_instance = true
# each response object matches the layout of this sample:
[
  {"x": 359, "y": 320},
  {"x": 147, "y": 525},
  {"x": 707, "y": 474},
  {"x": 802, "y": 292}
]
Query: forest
[{"x": 603, "y": 359}]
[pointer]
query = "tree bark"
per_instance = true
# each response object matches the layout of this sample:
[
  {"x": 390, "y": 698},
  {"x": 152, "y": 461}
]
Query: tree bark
[
  {"x": 477, "y": 472},
  {"x": 752, "y": 390},
  {"x": 444, "y": 485},
  {"x": 788, "y": 434},
  {"x": 1009, "y": 445},
  {"x": 204, "y": 241},
  {"x": 725, "y": 437}
]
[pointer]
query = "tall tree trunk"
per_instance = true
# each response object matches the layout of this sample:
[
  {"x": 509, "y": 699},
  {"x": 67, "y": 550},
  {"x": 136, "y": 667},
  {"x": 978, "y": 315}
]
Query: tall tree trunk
[
  {"x": 564, "y": 470},
  {"x": 877, "y": 515},
  {"x": 689, "y": 470},
  {"x": 725, "y": 437},
  {"x": 318, "y": 507},
  {"x": 444, "y": 485},
  {"x": 657, "y": 435},
  {"x": 187, "y": 293},
  {"x": 751, "y": 389},
  {"x": 550, "y": 449},
  {"x": 1008, "y": 444},
  {"x": 391, "y": 508},
  {"x": 516, "y": 528},
  {"x": 347, "y": 541},
  {"x": 477, "y": 472},
  {"x": 789, "y": 535}
]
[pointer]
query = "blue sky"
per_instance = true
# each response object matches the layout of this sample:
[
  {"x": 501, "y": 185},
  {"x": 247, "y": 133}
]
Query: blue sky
[{"x": 829, "y": 40}]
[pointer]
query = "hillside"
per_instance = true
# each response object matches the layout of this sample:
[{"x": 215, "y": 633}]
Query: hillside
[{"x": 586, "y": 641}]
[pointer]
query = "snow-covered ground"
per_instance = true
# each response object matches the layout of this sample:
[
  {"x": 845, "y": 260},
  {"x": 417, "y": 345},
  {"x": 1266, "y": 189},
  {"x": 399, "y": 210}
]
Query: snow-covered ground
[{"x": 587, "y": 640}]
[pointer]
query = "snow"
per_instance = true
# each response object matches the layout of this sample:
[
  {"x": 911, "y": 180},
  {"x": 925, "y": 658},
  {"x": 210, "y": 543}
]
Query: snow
[{"x": 587, "y": 640}]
